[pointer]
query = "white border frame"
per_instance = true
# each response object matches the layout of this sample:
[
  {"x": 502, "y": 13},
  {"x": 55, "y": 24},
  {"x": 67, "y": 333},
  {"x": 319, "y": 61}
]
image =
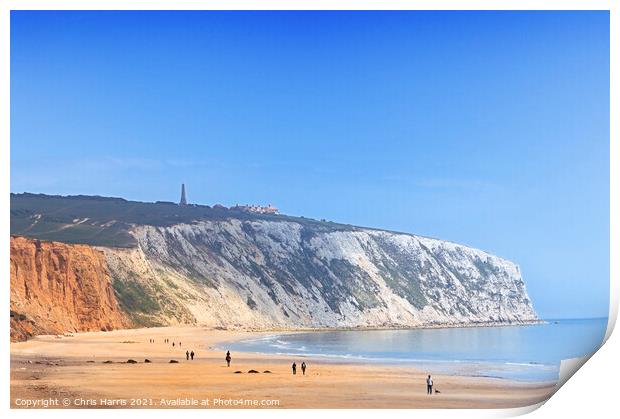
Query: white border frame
[{"x": 7, "y": 5}]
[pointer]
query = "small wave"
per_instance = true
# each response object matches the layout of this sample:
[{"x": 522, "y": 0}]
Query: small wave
[{"x": 530, "y": 364}]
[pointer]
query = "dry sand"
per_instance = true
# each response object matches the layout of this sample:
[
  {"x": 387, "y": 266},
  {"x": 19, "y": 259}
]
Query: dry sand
[{"x": 71, "y": 370}]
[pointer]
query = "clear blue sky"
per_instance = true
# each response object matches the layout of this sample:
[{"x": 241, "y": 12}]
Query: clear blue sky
[{"x": 485, "y": 128}]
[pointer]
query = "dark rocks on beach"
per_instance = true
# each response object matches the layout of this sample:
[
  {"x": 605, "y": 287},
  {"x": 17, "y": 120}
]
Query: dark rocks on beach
[
  {"x": 266, "y": 372},
  {"x": 90, "y": 362},
  {"x": 53, "y": 364},
  {"x": 172, "y": 361},
  {"x": 252, "y": 372},
  {"x": 132, "y": 361},
  {"x": 107, "y": 362},
  {"x": 238, "y": 372},
  {"x": 147, "y": 361}
]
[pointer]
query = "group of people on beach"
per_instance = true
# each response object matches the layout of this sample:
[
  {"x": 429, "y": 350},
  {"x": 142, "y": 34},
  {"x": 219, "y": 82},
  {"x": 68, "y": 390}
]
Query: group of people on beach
[
  {"x": 173, "y": 343},
  {"x": 294, "y": 366},
  {"x": 303, "y": 368},
  {"x": 190, "y": 355}
]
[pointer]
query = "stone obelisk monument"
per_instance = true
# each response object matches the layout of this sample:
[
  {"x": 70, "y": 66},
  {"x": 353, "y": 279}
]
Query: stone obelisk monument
[{"x": 183, "y": 197}]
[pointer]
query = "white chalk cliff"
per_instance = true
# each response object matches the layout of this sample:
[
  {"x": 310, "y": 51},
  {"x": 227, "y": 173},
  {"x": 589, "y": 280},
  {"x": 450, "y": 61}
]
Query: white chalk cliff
[{"x": 271, "y": 274}]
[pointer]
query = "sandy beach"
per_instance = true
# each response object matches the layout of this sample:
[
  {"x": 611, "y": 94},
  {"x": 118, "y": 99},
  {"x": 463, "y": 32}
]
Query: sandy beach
[{"x": 91, "y": 370}]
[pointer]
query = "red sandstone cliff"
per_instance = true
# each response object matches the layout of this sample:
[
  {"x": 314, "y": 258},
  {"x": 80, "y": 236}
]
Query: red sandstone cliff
[{"x": 57, "y": 288}]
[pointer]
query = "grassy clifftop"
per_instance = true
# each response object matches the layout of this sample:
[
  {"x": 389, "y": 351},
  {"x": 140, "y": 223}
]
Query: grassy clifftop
[{"x": 103, "y": 221}]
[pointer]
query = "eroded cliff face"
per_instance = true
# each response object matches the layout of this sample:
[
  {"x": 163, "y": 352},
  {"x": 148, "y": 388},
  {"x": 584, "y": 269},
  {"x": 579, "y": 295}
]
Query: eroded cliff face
[
  {"x": 261, "y": 274},
  {"x": 58, "y": 288},
  {"x": 265, "y": 274}
]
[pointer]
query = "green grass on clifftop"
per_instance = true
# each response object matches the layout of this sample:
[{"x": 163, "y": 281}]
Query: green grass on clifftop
[{"x": 103, "y": 221}]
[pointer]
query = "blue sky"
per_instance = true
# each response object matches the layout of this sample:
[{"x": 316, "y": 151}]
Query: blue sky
[{"x": 485, "y": 128}]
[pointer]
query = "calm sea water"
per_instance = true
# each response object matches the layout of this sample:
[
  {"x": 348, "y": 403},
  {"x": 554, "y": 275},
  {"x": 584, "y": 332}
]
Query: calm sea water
[{"x": 525, "y": 353}]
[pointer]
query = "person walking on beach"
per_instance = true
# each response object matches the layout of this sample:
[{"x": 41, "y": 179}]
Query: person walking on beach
[
  {"x": 429, "y": 385},
  {"x": 294, "y": 366},
  {"x": 187, "y": 355},
  {"x": 191, "y": 354},
  {"x": 303, "y": 368},
  {"x": 173, "y": 344},
  {"x": 228, "y": 358}
]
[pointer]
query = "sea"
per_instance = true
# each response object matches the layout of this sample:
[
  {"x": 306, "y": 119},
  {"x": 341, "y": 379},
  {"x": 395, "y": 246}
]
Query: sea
[{"x": 530, "y": 353}]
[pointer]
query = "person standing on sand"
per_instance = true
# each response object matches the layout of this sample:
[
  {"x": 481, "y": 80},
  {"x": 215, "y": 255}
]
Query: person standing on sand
[
  {"x": 228, "y": 358},
  {"x": 173, "y": 344},
  {"x": 303, "y": 367},
  {"x": 192, "y": 355},
  {"x": 429, "y": 385},
  {"x": 294, "y": 366},
  {"x": 187, "y": 355}
]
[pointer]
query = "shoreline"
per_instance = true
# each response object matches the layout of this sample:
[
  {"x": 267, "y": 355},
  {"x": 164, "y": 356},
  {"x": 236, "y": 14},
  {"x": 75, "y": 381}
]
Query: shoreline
[
  {"x": 431, "y": 365},
  {"x": 416, "y": 364},
  {"x": 94, "y": 365},
  {"x": 320, "y": 329}
]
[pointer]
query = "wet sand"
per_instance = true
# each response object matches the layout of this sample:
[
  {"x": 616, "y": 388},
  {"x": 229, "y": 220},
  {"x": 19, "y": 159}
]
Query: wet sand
[{"x": 71, "y": 371}]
